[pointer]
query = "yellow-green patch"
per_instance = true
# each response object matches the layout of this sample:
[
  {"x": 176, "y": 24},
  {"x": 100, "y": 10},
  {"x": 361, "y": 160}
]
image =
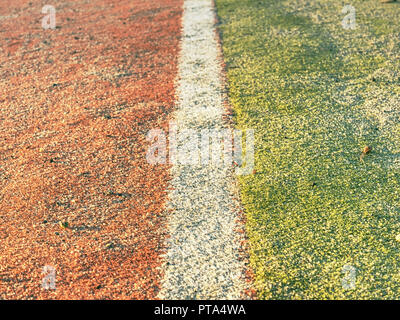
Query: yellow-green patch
[{"x": 316, "y": 95}]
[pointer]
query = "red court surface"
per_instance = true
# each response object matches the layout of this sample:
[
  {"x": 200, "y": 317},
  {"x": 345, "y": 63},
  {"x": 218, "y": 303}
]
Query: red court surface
[{"x": 75, "y": 106}]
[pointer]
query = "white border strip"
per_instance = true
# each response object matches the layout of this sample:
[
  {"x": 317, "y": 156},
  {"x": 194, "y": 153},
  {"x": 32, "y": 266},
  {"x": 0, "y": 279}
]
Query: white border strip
[{"x": 203, "y": 255}]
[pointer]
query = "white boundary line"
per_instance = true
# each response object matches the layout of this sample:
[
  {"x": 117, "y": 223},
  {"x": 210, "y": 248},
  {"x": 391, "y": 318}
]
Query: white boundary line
[{"x": 203, "y": 259}]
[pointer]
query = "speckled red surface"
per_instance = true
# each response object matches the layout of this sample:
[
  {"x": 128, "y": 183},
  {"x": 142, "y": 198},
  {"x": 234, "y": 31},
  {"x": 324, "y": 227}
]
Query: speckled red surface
[{"x": 75, "y": 106}]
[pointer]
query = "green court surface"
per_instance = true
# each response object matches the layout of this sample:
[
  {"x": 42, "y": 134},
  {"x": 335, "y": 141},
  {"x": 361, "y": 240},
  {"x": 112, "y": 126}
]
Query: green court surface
[{"x": 322, "y": 223}]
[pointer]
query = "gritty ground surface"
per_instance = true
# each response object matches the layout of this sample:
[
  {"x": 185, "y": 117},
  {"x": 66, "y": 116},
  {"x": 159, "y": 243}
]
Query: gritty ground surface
[
  {"x": 317, "y": 94},
  {"x": 76, "y": 105},
  {"x": 203, "y": 260}
]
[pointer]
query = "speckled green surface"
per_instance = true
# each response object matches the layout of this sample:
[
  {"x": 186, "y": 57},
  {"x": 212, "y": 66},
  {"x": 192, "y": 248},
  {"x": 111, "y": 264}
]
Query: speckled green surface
[{"x": 316, "y": 94}]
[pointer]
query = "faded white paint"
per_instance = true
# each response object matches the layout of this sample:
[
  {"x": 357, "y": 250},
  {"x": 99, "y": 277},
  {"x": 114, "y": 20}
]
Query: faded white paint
[{"x": 202, "y": 261}]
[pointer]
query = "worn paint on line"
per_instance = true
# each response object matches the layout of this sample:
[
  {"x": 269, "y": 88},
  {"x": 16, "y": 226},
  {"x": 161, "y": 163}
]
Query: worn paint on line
[{"x": 203, "y": 257}]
